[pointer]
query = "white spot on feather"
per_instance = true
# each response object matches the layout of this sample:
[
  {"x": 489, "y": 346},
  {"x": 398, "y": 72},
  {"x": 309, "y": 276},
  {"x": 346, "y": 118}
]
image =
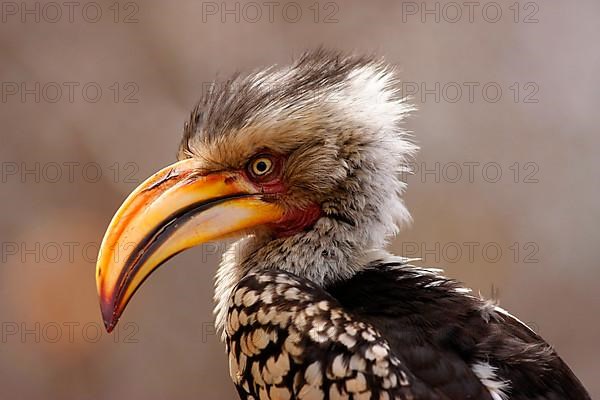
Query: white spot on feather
[{"x": 487, "y": 375}]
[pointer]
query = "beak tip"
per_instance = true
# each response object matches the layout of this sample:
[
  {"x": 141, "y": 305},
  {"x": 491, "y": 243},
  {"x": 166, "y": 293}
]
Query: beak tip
[
  {"x": 109, "y": 325},
  {"x": 109, "y": 316}
]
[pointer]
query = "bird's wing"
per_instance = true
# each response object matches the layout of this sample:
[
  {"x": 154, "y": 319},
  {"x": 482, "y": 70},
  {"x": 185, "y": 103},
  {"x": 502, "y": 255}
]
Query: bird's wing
[
  {"x": 531, "y": 365},
  {"x": 289, "y": 339},
  {"x": 454, "y": 341}
]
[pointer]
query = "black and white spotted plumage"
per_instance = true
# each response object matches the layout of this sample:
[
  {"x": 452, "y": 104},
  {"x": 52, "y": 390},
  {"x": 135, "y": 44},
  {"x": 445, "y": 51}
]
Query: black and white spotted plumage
[
  {"x": 393, "y": 331},
  {"x": 289, "y": 339}
]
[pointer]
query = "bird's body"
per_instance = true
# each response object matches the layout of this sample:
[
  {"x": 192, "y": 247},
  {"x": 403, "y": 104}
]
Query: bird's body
[
  {"x": 304, "y": 163},
  {"x": 394, "y": 331}
]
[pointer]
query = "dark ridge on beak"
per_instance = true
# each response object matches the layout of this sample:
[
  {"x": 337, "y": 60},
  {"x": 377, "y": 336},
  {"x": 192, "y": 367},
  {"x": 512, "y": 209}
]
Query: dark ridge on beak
[{"x": 112, "y": 310}]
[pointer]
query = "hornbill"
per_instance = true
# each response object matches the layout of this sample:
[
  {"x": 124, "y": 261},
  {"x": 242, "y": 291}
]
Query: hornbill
[{"x": 303, "y": 165}]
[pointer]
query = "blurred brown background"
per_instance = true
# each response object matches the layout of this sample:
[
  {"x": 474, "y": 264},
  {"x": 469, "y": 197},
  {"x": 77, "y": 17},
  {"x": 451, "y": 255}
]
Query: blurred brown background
[{"x": 94, "y": 95}]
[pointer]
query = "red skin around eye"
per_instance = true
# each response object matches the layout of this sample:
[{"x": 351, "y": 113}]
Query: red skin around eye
[
  {"x": 273, "y": 186},
  {"x": 272, "y": 182},
  {"x": 295, "y": 220}
]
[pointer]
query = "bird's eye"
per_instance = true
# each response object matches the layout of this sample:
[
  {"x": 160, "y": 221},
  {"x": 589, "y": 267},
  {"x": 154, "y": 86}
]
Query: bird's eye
[{"x": 261, "y": 166}]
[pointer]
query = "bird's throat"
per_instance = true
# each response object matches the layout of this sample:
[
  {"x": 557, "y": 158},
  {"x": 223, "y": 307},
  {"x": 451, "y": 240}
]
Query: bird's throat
[{"x": 297, "y": 220}]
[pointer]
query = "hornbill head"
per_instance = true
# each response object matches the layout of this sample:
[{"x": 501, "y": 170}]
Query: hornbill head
[{"x": 302, "y": 162}]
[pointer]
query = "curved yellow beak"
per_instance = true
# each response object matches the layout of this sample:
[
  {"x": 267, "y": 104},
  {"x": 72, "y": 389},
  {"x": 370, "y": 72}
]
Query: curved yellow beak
[{"x": 173, "y": 210}]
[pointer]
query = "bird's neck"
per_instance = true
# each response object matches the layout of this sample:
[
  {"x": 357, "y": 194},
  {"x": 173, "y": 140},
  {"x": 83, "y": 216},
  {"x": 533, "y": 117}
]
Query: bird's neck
[{"x": 329, "y": 252}]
